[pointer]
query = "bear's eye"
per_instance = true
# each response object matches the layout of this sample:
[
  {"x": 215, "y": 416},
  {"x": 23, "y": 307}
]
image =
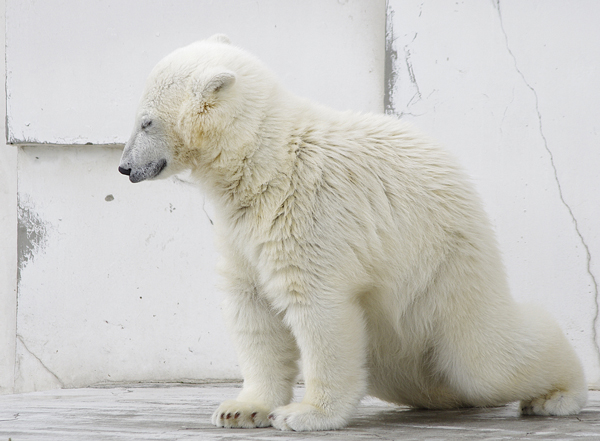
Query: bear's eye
[{"x": 146, "y": 123}]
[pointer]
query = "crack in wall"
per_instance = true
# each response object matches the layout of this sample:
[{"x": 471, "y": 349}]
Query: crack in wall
[
  {"x": 596, "y": 318},
  {"x": 20, "y": 338},
  {"x": 178, "y": 179},
  {"x": 206, "y": 212},
  {"x": 411, "y": 75},
  {"x": 512, "y": 99}
]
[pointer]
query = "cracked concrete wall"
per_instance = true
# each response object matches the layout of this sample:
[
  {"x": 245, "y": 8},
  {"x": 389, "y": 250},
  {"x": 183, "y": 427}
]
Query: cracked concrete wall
[
  {"x": 116, "y": 282},
  {"x": 8, "y": 247},
  {"x": 512, "y": 88},
  {"x": 123, "y": 40},
  {"x": 112, "y": 286}
]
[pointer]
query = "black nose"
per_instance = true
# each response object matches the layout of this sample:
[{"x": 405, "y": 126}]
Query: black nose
[{"x": 125, "y": 171}]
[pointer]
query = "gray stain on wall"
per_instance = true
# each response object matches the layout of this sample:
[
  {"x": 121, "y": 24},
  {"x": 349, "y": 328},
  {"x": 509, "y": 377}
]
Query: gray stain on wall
[
  {"x": 391, "y": 57},
  {"x": 31, "y": 234}
]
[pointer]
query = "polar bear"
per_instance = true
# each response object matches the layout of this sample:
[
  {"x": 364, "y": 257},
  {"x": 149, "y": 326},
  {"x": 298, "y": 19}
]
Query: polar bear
[{"x": 351, "y": 243}]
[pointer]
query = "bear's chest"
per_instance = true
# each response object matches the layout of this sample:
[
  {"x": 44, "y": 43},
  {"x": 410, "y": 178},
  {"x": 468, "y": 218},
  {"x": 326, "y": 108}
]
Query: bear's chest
[{"x": 274, "y": 243}]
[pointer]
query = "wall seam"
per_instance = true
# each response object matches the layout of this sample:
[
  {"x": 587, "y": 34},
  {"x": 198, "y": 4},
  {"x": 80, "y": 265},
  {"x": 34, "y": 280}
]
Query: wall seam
[{"x": 17, "y": 281}]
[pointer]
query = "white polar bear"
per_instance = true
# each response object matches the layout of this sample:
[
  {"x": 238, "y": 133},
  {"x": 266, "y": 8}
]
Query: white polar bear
[{"x": 349, "y": 241}]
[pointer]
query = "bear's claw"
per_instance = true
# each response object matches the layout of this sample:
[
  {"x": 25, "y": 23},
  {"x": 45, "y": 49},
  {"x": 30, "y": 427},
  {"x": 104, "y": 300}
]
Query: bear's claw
[{"x": 238, "y": 414}]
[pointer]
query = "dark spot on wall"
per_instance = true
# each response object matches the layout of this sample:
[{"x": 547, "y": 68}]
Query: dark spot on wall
[{"x": 109, "y": 198}]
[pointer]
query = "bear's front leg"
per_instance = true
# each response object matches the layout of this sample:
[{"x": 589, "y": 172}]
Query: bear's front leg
[
  {"x": 332, "y": 340},
  {"x": 268, "y": 358}
]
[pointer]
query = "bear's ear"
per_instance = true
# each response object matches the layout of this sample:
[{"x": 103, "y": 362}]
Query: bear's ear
[
  {"x": 220, "y": 38},
  {"x": 218, "y": 82},
  {"x": 208, "y": 84}
]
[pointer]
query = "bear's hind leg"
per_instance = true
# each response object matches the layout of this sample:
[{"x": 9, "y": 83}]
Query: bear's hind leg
[
  {"x": 558, "y": 366},
  {"x": 526, "y": 357},
  {"x": 557, "y": 403}
]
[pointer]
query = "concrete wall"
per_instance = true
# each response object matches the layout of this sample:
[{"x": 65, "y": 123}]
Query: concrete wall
[
  {"x": 8, "y": 247},
  {"x": 116, "y": 281},
  {"x": 512, "y": 88},
  {"x": 77, "y": 69}
]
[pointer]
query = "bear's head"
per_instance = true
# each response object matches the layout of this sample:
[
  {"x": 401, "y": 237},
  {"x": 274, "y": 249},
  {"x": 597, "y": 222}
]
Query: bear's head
[{"x": 202, "y": 103}]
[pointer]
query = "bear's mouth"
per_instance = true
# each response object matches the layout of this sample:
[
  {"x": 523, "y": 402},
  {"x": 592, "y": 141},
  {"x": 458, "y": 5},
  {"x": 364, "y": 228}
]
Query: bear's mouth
[{"x": 148, "y": 171}]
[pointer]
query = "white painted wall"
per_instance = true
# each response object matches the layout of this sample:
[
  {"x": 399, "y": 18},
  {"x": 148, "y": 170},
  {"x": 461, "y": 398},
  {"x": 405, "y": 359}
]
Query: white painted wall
[
  {"x": 8, "y": 247},
  {"x": 77, "y": 69},
  {"x": 512, "y": 88},
  {"x": 117, "y": 281}
]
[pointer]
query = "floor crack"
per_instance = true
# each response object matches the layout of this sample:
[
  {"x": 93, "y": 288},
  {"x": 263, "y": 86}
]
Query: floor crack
[
  {"x": 20, "y": 338},
  {"x": 560, "y": 191}
]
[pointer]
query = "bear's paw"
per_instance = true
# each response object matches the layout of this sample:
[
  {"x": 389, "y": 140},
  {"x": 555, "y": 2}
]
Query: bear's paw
[
  {"x": 238, "y": 414},
  {"x": 301, "y": 417},
  {"x": 558, "y": 403}
]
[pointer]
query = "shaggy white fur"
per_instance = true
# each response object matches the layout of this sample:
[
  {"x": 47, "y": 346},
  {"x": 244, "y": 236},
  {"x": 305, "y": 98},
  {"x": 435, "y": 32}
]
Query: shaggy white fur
[{"x": 349, "y": 241}]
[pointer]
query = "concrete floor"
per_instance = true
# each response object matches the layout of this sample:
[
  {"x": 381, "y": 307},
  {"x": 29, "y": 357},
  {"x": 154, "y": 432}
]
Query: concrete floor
[{"x": 182, "y": 412}]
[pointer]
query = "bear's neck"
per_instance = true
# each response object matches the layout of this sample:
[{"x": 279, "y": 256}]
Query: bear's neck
[{"x": 254, "y": 168}]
